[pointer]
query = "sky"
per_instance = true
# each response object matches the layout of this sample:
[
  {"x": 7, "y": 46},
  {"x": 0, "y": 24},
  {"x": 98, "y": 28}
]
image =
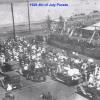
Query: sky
[{"x": 41, "y": 13}]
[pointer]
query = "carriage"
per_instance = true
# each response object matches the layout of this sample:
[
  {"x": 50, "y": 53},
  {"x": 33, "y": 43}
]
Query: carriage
[{"x": 31, "y": 72}]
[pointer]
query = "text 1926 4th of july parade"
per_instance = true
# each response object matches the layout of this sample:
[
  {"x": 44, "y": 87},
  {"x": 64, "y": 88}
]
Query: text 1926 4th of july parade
[{"x": 49, "y": 4}]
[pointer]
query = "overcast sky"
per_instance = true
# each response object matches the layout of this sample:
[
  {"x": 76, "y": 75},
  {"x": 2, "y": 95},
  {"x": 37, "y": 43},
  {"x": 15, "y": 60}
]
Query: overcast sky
[{"x": 40, "y": 13}]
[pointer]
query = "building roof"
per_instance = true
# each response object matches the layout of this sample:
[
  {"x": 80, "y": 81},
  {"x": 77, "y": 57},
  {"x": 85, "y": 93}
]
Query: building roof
[{"x": 93, "y": 27}]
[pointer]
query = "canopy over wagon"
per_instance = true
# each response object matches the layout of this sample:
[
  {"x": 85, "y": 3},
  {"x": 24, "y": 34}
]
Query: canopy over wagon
[
  {"x": 11, "y": 74},
  {"x": 92, "y": 27},
  {"x": 10, "y": 66},
  {"x": 89, "y": 33},
  {"x": 14, "y": 64}
]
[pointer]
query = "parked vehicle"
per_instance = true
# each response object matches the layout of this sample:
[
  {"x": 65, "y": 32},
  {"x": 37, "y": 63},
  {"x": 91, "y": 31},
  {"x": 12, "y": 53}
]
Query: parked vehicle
[
  {"x": 90, "y": 93},
  {"x": 10, "y": 80}
]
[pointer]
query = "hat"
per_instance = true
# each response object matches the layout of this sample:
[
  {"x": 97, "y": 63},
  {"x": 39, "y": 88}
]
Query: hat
[{"x": 90, "y": 60}]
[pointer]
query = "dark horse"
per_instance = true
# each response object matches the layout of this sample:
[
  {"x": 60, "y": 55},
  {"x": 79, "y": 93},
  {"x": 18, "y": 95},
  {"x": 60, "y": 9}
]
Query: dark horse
[{"x": 46, "y": 96}]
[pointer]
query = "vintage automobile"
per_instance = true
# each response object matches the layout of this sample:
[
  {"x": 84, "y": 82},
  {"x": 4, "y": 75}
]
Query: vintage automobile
[
  {"x": 68, "y": 77},
  {"x": 9, "y": 66},
  {"x": 6, "y": 67},
  {"x": 10, "y": 80},
  {"x": 90, "y": 93}
]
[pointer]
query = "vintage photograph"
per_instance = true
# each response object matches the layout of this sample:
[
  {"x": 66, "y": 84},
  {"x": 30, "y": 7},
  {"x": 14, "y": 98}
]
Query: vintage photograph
[{"x": 49, "y": 50}]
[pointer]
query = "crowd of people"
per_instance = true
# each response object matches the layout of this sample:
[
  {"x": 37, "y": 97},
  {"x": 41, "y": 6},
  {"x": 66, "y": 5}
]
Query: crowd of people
[
  {"x": 73, "y": 42},
  {"x": 22, "y": 51},
  {"x": 36, "y": 55},
  {"x": 36, "y": 59},
  {"x": 84, "y": 70}
]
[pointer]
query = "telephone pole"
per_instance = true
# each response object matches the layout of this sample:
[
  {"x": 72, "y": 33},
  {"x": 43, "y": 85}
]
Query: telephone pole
[
  {"x": 14, "y": 34},
  {"x": 29, "y": 17}
]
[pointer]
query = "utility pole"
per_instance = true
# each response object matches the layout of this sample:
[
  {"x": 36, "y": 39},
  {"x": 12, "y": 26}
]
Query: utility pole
[
  {"x": 61, "y": 25},
  {"x": 49, "y": 24},
  {"x": 29, "y": 17},
  {"x": 14, "y": 35},
  {"x": 93, "y": 35}
]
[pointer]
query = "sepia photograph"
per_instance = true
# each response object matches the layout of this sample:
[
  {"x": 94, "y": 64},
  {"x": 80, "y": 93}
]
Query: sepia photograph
[{"x": 49, "y": 50}]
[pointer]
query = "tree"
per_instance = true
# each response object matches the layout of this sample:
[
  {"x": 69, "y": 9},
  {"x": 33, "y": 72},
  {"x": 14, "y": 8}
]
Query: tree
[
  {"x": 60, "y": 24},
  {"x": 49, "y": 21}
]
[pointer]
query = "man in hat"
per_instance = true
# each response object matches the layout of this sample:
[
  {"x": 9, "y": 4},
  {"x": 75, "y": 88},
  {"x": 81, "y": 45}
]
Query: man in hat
[{"x": 9, "y": 96}]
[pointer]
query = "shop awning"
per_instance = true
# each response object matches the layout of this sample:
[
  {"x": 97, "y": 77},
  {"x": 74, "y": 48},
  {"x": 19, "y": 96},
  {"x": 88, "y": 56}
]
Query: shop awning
[{"x": 93, "y": 27}]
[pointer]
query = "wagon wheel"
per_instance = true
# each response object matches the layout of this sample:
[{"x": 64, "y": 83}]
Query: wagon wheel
[
  {"x": 89, "y": 95},
  {"x": 32, "y": 77},
  {"x": 27, "y": 77},
  {"x": 2, "y": 84},
  {"x": 38, "y": 78},
  {"x": 21, "y": 85},
  {"x": 41, "y": 78},
  {"x": 44, "y": 78},
  {"x": 78, "y": 89}
]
